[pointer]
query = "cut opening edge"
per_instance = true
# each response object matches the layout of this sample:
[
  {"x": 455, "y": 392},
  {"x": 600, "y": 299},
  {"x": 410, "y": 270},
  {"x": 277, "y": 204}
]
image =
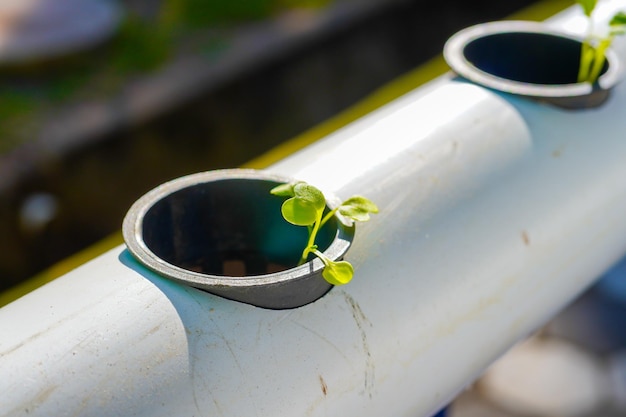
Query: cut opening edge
[
  {"x": 161, "y": 267},
  {"x": 455, "y": 56},
  {"x": 132, "y": 230}
]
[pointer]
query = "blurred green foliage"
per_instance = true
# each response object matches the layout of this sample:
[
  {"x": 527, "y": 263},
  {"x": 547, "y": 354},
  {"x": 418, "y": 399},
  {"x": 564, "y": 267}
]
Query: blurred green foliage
[
  {"x": 140, "y": 45},
  {"x": 199, "y": 13}
]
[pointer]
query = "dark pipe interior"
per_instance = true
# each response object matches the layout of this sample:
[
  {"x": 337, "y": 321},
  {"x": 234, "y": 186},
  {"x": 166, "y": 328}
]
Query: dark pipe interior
[
  {"x": 527, "y": 57},
  {"x": 228, "y": 227}
]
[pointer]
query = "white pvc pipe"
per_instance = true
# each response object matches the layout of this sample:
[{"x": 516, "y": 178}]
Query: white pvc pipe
[{"x": 495, "y": 213}]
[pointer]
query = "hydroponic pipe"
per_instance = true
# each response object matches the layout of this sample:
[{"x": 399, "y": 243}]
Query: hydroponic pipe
[{"x": 495, "y": 213}]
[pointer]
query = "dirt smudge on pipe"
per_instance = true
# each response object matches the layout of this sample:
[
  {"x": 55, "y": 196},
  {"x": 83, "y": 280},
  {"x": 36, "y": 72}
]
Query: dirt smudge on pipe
[
  {"x": 361, "y": 321},
  {"x": 525, "y": 238},
  {"x": 324, "y": 386}
]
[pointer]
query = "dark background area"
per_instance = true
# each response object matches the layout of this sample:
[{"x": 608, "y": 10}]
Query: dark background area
[{"x": 262, "y": 103}]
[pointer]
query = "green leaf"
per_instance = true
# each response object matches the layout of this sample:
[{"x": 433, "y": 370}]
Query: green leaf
[
  {"x": 362, "y": 203},
  {"x": 338, "y": 273},
  {"x": 358, "y": 208},
  {"x": 618, "y": 24},
  {"x": 618, "y": 20},
  {"x": 587, "y": 5},
  {"x": 306, "y": 205},
  {"x": 299, "y": 212},
  {"x": 284, "y": 190},
  {"x": 310, "y": 194},
  {"x": 354, "y": 214}
]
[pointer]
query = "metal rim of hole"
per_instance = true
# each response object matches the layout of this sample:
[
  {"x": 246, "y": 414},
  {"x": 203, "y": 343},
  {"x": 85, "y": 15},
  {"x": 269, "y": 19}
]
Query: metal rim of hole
[
  {"x": 455, "y": 57},
  {"x": 133, "y": 235}
]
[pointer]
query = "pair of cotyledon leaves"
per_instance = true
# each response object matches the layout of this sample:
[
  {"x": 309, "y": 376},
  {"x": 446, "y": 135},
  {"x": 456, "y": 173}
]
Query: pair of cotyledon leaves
[
  {"x": 305, "y": 207},
  {"x": 307, "y": 203}
]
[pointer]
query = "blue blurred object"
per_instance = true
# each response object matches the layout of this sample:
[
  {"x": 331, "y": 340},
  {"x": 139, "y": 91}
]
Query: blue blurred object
[
  {"x": 597, "y": 319},
  {"x": 613, "y": 283},
  {"x": 441, "y": 413}
]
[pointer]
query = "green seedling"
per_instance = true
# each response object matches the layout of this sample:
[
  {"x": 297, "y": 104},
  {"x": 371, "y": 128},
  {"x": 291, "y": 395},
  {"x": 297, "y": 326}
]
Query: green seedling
[
  {"x": 305, "y": 207},
  {"x": 593, "y": 47}
]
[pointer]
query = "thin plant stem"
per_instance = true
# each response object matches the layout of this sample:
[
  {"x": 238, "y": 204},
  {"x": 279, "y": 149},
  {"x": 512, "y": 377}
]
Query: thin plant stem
[
  {"x": 322, "y": 257},
  {"x": 586, "y": 55},
  {"x": 310, "y": 246},
  {"x": 328, "y": 216},
  {"x": 598, "y": 60},
  {"x": 586, "y": 52}
]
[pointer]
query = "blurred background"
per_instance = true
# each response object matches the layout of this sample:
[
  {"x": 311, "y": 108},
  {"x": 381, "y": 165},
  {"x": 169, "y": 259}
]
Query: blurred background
[{"x": 102, "y": 100}]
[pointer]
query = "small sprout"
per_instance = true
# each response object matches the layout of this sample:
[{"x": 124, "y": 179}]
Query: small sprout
[
  {"x": 305, "y": 207},
  {"x": 592, "y": 53}
]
